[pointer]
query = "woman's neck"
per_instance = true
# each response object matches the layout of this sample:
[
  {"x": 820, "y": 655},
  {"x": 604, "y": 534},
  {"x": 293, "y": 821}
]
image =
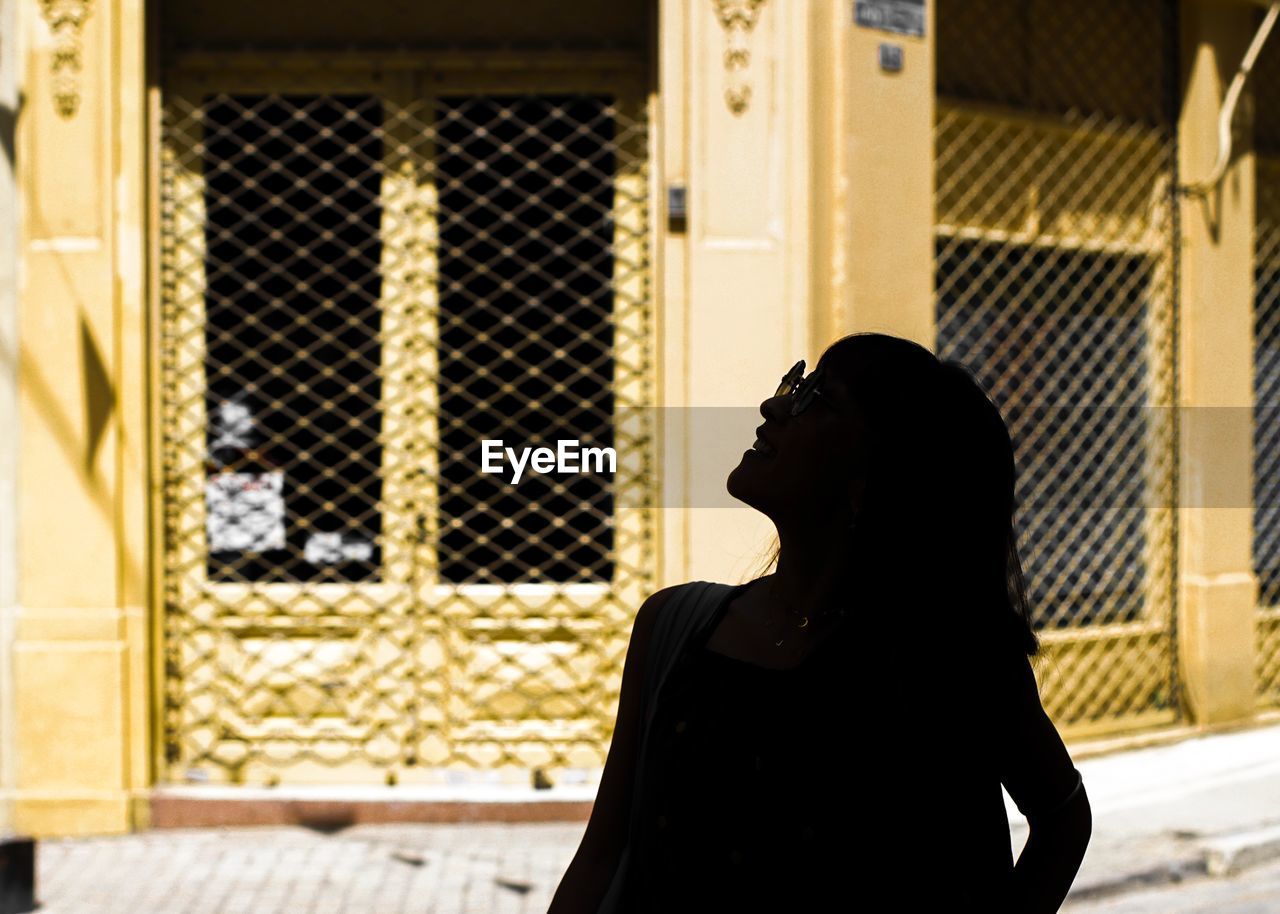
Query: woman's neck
[{"x": 812, "y": 573}]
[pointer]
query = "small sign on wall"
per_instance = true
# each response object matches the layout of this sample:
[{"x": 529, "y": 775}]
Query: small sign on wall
[{"x": 903, "y": 17}]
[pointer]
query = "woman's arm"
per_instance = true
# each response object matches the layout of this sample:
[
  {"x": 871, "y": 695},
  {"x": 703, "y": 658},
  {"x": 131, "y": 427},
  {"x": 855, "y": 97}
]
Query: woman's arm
[
  {"x": 1051, "y": 858},
  {"x": 1038, "y": 772},
  {"x": 587, "y": 879}
]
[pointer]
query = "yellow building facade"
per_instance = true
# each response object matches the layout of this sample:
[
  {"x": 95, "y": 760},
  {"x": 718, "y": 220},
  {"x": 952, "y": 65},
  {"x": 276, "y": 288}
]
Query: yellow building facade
[{"x": 276, "y": 271}]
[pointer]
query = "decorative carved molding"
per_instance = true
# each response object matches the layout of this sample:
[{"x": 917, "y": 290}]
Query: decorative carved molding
[
  {"x": 66, "y": 19},
  {"x": 737, "y": 18}
]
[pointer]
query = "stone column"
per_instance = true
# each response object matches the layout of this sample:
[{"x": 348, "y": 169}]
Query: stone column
[
  {"x": 1217, "y": 587},
  {"x": 81, "y": 691},
  {"x": 734, "y": 298},
  {"x": 8, "y": 396}
]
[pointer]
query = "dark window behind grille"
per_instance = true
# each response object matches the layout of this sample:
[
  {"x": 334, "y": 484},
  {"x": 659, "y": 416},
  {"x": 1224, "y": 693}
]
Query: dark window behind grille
[
  {"x": 1059, "y": 339},
  {"x": 1043, "y": 55},
  {"x": 292, "y": 330},
  {"x": 1266, "y": 333},
  {"x": 1266, "y": 381},
  {"x": 526, "y": 332}
]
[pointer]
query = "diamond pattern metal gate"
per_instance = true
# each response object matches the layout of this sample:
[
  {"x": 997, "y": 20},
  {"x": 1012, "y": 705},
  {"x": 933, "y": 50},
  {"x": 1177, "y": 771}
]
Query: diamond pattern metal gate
[
  {"x": 1266, "y": 542},
  {"x": 368, "y": 270},
  {"x": 1266, "y": 340},
  {"x": 1055, "y": 230}
]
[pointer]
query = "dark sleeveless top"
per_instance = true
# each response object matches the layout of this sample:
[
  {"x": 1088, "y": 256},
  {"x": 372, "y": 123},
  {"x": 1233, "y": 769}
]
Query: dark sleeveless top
[
  {"x": 816, "y": 788},
  {"x": 740, "y": 789}
]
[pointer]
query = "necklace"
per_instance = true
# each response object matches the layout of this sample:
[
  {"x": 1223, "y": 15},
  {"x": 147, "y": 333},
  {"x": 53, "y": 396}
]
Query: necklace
[{"x": 804, "y": 619}]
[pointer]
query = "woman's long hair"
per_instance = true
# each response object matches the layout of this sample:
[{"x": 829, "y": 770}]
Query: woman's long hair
[{"x": 936, "y": 534}]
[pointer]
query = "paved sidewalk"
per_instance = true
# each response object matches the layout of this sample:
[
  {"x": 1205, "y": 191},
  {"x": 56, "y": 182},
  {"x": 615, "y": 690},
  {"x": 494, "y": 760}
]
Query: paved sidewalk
[
  {"x": 1176, "y": 812},
  {"x": 365, "y": 869},
  {"x": 1161, "y": 815}
]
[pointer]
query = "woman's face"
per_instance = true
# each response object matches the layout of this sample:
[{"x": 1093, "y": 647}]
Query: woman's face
[{"x": 809, "y": 472}]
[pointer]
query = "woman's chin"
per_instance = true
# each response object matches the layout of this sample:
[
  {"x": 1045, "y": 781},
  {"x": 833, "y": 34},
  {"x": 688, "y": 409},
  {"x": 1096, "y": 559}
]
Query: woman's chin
[{"x": 743, "y": 485}]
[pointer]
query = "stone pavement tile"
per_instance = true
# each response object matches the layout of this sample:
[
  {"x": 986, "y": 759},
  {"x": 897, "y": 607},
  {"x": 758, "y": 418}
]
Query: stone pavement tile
[{"x": 494, "y": 868}]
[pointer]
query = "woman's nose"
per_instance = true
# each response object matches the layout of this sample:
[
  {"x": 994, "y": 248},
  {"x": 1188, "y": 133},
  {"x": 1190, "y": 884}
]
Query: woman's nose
[{"x": 775, "y": 408}]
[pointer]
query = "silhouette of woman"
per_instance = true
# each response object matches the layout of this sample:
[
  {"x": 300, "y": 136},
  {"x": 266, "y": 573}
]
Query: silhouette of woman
[{"x": 838, "y": 730}]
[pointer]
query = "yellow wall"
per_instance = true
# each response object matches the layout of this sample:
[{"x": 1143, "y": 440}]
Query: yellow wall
[{"x": 883, "y": 133}]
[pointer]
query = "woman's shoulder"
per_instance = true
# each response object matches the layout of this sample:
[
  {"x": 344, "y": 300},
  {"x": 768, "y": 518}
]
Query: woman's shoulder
[
  {"x": 671, "y": 615},
  {"x": 653, "y": 613},
  {"x": 678, "y": 594},
  {"x": 663, "y": 595}
]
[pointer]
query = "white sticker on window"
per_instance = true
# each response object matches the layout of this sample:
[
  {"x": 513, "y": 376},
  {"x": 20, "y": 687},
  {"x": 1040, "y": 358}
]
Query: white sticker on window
[
  {"x": 328, "y": 548},
  {"x": 245, "y": 511}
]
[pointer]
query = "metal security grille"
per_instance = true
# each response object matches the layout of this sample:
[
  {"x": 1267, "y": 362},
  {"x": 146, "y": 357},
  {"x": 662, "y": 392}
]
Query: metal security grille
[
  {"x": 1266, "y": 512},
  {"x": 1054, "y": 283},
  {"x": 1266, "y": 377},
  {"x": 368, "y": 270}
]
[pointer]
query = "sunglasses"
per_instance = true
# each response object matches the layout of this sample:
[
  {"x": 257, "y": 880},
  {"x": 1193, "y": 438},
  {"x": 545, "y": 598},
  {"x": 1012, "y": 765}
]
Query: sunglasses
[{"x": 800, "y": 389}]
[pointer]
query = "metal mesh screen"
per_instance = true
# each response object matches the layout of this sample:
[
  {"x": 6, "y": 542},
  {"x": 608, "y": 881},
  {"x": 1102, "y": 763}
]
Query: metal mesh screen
[
  {"x": 1266, "y": 337},
  {"x": 1266, "y": 541},
  {"x": 366, "y": 273},
  {"x": 1054, "y": 282}
]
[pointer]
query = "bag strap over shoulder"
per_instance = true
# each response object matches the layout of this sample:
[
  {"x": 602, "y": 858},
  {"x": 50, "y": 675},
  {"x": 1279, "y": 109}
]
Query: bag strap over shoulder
[
  {"x": 679, "y": 618},
  {"x": 683, "y": 615}
]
